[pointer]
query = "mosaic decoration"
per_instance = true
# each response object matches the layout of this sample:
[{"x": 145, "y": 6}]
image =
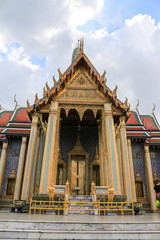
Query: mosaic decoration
[
  {"x": 139, "y": 163},
  {"x": 155, "y": 163},
  {"x": 13, "y": 143},
  {"x": 88, "y": 136}
]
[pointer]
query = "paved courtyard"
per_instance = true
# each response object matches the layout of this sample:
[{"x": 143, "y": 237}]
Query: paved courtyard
[{"x": 79, "y": 218}]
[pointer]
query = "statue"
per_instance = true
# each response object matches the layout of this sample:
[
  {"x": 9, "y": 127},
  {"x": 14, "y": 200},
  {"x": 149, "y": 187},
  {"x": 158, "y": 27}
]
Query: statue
[
  {"x": 111, "y": 192},
  {"x": 51, "y": 191}
]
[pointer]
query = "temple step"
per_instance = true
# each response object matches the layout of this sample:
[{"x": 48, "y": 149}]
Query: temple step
[
  {"x": 5, "y": 204},
  {"x": 80, "y": 205}
]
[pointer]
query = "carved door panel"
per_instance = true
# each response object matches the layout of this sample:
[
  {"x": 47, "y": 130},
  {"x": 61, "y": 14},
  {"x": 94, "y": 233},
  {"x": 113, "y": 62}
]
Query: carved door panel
[
  {"x": 81, "y": 177},
  {"x": 78, "y": 177},
  {"x": 73, "y": 177}
]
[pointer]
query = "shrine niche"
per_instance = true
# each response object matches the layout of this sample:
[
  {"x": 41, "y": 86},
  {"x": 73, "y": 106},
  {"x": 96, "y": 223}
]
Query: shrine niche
[
  {"x": 95, "y": 169},
  {"x": 10, "y": 185},
  {"x": 78, "y": 169},
  {"x": 140, "y": 193}
]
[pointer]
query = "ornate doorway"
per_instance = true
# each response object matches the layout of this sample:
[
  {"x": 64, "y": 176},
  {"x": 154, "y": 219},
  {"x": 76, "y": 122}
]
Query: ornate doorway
[
  {"x": 78, "y": 169},
  {"x": 78, "y": 176}
]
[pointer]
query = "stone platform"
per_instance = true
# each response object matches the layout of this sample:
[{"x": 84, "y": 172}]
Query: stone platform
[{"x": 24, "y": 226}]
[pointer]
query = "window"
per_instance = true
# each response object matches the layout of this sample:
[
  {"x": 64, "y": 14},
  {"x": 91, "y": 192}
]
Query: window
[
  {"x": 153, "y": 155},
  {"x": 136, "y": 155},
  {"x": 15, "y": 152}
]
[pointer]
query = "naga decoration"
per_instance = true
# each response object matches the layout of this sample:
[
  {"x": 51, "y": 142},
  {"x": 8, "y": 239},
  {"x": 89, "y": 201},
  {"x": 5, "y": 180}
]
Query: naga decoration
[
  {"x": 44, "y": 124},
  {"x": 54, "y": 80},
  {"x": 36, "y": 98},
  {"x": 103, "y": 75},
  {"x": 28, "y": 105},
  {"x": 115, "y": 90},
  {"x": 137, "y": 103},
  {"x": 48, "y": 88},
  {"x": 129, "y": 107},
  {"x": 44, "y": 92},
  {"x": 154, "y": 107},
  {"x": 60, "y": 74},
  {"x": 126, "y": 102}
]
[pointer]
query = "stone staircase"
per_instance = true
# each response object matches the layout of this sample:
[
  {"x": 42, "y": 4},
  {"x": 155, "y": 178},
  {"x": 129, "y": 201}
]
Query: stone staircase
[
  {"x": 78, "y": 227},
  {"x": 79, "y": 202}
]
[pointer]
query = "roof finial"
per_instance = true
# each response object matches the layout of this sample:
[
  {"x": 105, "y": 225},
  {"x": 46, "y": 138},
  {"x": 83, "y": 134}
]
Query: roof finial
[
  {"x": 48, "y": 88},
  {"x": 154, "y": 107},
  {"x": 28, "y": 105},
  {"x": 126, "y": 102},
  {"x": 54, "y": 80},
  {"x": 15, "y": 99},
  {"x": 115, "y": 90},
  {"x": 81, "y": 44},
  {"x": 137, "y": 103}
]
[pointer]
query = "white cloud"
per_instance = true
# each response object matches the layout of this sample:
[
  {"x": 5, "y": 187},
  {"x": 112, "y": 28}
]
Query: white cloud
[{"x": 131, "y": 54}]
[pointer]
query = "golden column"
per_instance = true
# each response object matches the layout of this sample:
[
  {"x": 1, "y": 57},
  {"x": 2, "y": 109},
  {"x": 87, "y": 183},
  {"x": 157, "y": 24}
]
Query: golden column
[
  {"x": 111, "y": 148},
  {"x": 149, "y": 177},
  {"x": 119, "y": 160},
  {"x": 101, "y": 157},
  {"x": 125, "y": 161},
  {"x": 20, "y": 169},
  {"x": 30, "y": 158},
  {"x": 3, "y": 161},
  {"x": 132, "y": 170},
  {"x": 40, "y": 157},
  {"x": 34, "y": 168},
  {"x": 47, "y": 175}
]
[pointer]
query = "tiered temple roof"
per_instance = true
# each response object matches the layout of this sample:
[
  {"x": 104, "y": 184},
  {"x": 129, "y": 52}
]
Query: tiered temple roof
[
  {"x": 15, "y": 122},
  {"x": 80, "y": 60}
]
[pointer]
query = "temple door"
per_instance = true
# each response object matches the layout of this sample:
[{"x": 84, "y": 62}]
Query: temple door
[{"x": 77, "y": 177}]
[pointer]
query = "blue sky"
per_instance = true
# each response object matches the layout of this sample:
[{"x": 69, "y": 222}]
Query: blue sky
[
  {"x": 115, "y": 12},
  {"x": 39, "y": 37}
]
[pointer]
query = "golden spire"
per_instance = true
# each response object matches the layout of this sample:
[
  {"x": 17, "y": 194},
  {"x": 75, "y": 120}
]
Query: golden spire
[
  {"x": 54, "y": 80},
  {"x": 81, "y": 46},
  {"x": 60, "y": 74},
  {"x": 28, "y": 105},
  {"x": 115, "y": 90},
  {"x": 126, "y": 102},
  {"x": 137, "y": 103},
  {"x": 36, "y": 98},
  {"x": 44, "y": 92},
  {"x": 154, "y": 107},
  {"x": 48, "y": 88}
]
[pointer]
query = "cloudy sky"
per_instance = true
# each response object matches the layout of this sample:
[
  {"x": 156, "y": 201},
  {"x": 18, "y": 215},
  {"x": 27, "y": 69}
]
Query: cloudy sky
[{"x": 122, "y": 36}]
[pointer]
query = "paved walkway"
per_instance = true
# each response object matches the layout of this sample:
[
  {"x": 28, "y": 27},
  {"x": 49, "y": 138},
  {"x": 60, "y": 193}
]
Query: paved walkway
[{"x": 154, "y": 218}]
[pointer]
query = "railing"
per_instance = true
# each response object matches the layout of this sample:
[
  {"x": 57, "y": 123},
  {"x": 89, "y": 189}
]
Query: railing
[{"x": 63, "y": 205}]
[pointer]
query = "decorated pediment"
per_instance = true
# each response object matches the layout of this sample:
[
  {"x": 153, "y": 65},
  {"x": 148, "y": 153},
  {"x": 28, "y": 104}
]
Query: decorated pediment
[{"x": 80, "y": 88}]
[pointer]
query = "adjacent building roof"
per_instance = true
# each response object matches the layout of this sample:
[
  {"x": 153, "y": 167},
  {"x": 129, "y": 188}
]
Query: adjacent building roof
[
  {"x": 135, "y": 127},
  {"x": 15, "y": 122}
]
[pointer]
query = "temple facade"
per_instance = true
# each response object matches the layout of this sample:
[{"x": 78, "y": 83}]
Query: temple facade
[{"x": 81, "y": 132}]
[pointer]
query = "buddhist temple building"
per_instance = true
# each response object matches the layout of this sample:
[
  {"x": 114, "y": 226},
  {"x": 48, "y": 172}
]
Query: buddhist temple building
[{"x": 79, "y": 131}]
